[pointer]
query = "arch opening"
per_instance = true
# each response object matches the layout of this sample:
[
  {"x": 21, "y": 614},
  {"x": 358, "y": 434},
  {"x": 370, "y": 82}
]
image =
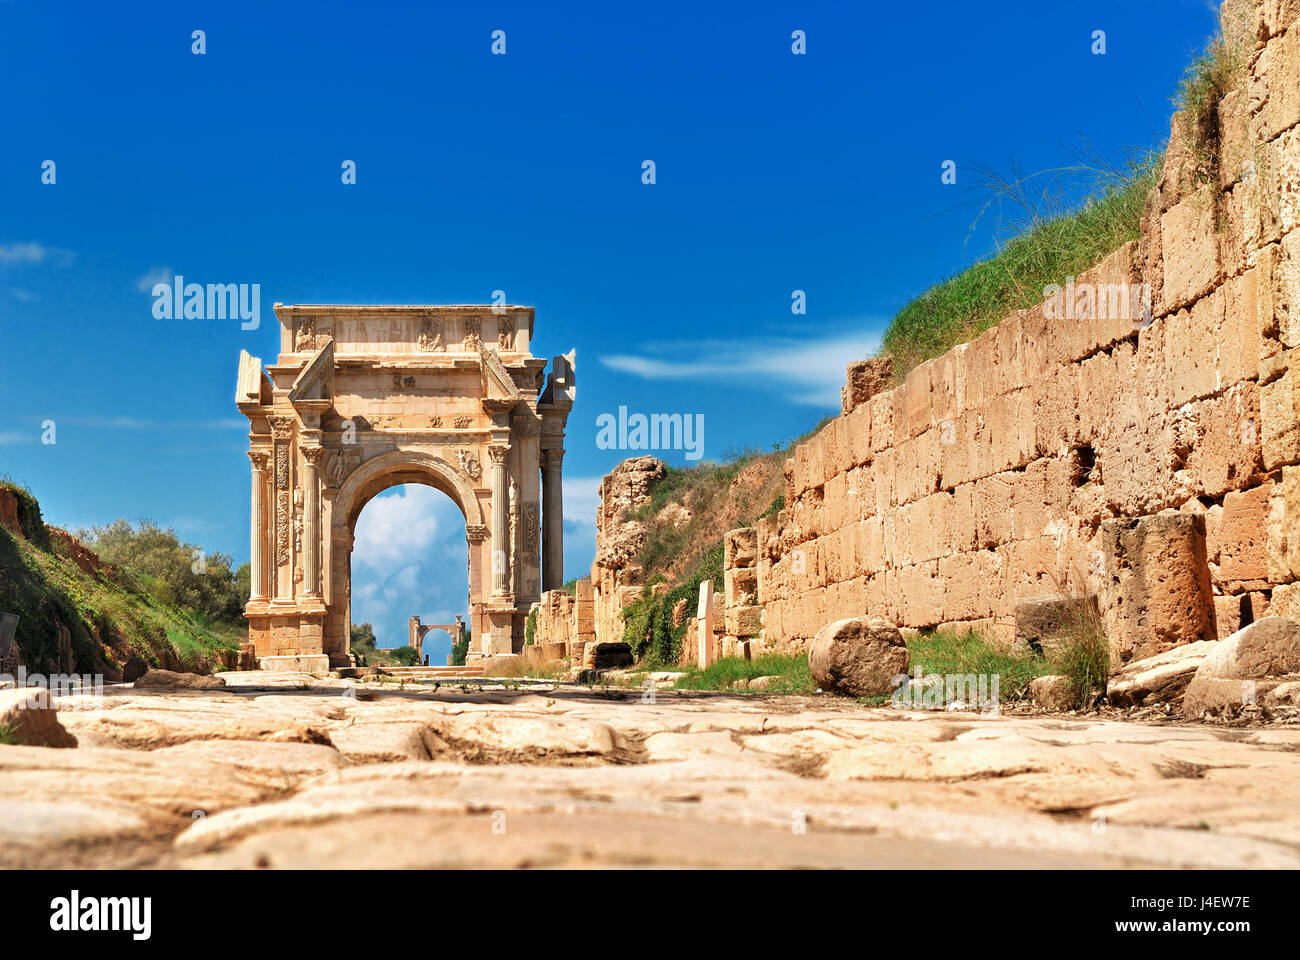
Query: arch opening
[{"x": 409, "y": 558}]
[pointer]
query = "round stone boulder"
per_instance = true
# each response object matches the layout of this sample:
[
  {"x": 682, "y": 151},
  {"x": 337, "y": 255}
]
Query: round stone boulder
[
  {"x": 858, "y": 657},
  {"x": 1245, "y": 667}
]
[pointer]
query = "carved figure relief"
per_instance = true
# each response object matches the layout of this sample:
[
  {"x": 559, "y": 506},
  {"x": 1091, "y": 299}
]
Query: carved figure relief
[
  {"x": 430, "y": 340},
  {"x": 506, "y": 328},
  {"x": 340, "y": 464},
  {"x": 473, "y": 333},
  {"x": 469, "y": 464}
]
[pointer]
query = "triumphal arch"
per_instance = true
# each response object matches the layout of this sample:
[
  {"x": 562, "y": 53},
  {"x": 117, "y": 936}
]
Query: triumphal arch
[{"x": 364, "y": 398}]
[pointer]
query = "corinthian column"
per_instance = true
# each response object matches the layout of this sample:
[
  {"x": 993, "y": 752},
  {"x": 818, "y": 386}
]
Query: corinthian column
[
  {"x": 311, "y": 520},
  {"x": 500, "y": 519},
  {"x": 552, "y": 519},
  {"x": 257, "y": 527}
]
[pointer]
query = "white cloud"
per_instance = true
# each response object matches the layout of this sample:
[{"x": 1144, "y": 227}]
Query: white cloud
[
  {"x": 32, "y": 251},
  {"x": 155, "y": 275},
  {"x": 400, "y": 526},
  {"x": 814, "y": 368},
  {"x": 26, "y": 296}
]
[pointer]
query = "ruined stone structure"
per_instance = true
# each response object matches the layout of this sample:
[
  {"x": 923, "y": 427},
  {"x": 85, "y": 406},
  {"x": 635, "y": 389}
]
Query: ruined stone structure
[
  {"x": 363, "y": 398},
  {"x": 1134, "y": 439},
  {"x": 1151, "y": 460},
  {"x": 565, "y": 624},
  {"x": 416, "y": 632}
]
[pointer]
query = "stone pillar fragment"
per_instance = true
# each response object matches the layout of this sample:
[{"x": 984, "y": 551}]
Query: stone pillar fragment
[
  {"x": 704, "y": 625},
  {"x": 552, "y": 519},
  {"x": 311, "y": 521},
  {"x": 1156, "y": 592},
  {"x": 500, "y": 519},
  {"x": 257, "y": 532}
]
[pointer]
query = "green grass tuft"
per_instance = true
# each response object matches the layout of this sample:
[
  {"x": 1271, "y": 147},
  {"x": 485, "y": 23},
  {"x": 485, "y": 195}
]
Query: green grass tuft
[
  {"x": 965, "y": 652},
  {"x": 791, "y": 671}
]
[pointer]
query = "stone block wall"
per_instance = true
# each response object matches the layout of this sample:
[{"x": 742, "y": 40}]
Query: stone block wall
[
  {"x": 565, "y": 623},
  {"x": 1016, "y": 465}
]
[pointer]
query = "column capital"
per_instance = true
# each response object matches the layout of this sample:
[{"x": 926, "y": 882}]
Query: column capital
[
  {"x": 476, "y": 532},
  {"x": 498, "y": 452},
  {"x": 552, "y": 456},
  {"x": 281, "y": 427},
  {"x": 313, "y": 455},
  {"x": 259, "y": 459}
]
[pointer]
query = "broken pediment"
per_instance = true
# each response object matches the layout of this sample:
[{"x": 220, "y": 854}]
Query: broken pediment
[
  {"x": 252, "y": 386},
  {"x": 498, "y": 386},
  {"x": 561, "y": 383},
  {"x": 315, "y": 384}
]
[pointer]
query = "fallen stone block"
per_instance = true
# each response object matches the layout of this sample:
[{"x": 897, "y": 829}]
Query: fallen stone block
[
  {"x": 1041, "y": 620},
  {"x": 858, "y": 657},
  {"x": 1052, "y": 692},
  {"x": 27, "y": 717},
  {"x": 170, "y": 679},
  {"x": 1159, "y": 679},
  {"x": 1245, "y": 668}
]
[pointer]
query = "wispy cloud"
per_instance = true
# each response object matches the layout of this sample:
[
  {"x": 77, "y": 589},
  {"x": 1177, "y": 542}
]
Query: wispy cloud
[
  {"x": 155, "y": 275},
  {"x": 34, "y": 252},
  {"x": 13, "y": 438},
  {"x": 136, "y": 423},
  {"x": 26, "y": 296},
  {"x": 812, "y": 370}
]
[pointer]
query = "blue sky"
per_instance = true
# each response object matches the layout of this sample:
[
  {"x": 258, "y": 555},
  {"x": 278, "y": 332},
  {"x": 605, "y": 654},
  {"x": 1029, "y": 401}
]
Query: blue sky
[{"x": 522, "y": 172}]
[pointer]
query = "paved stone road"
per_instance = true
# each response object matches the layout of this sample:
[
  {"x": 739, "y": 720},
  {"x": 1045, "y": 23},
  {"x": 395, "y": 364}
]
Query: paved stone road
[{"x": 283, "y": 771}]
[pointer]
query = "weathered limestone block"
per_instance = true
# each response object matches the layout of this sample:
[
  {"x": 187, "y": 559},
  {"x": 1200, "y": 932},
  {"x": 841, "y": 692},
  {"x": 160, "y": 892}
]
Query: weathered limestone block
[
  {"x": 1191, "y": 250},
  {"x": 1237, "y": 537},
  {"x": 168, "y": 679},
  {"x": 858, "y": 657},
  {"x": 31, "y": 719},
  {"x": 1284, "y": 80},
  {"x": 1156, "y": 591},
  {"x": 1158, "y": 679},
  {"x": 1245, "y": 667},
  {"x": 741, "y": 587},
  {"x": 1041, "y": 621},
  {"x": 1052, "y": 692},
  {"x": 744, "y": 621},
  {"x": 1231, "y": 613}
]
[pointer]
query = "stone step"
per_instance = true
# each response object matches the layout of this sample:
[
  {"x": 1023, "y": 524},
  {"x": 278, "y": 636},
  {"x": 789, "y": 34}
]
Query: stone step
[{"x": 424, "y": 673}]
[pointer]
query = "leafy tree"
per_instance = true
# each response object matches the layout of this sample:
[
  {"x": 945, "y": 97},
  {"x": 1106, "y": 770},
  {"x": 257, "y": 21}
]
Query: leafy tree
[
  {"x": 406, "y": 656},
  {"x": 363, "y": 642},
  {"x": 174, "y": 572},
  {"x": 460, "y": 650}
]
